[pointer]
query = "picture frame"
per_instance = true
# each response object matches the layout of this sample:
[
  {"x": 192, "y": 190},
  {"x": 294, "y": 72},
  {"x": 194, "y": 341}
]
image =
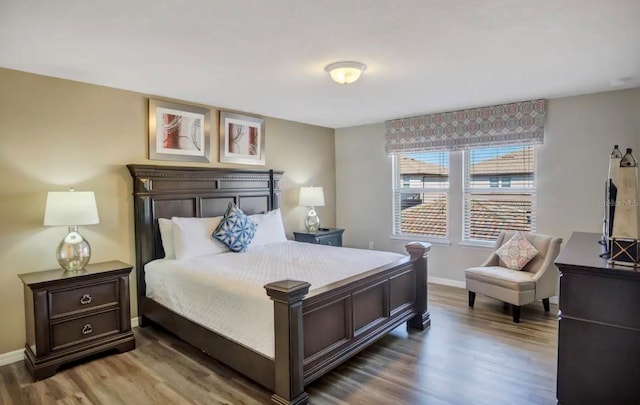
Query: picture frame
[
  {"x": 242, "y": 139},
  {"x": 179, "y": 132}
]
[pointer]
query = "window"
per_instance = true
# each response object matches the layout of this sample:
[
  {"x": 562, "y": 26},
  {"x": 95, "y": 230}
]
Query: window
[
  {"x": 421, "y": 186},
  {"x": 488, "y": 209}
]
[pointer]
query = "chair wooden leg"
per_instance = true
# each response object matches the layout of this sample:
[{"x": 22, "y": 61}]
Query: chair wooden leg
[
  {"x": 516, "y": 313},
  {"x": 472, "y": 298},
  {"x": 545, "y": 303}
]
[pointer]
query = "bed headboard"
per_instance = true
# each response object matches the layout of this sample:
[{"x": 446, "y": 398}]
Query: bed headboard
[{"x": 169, "y": 191}]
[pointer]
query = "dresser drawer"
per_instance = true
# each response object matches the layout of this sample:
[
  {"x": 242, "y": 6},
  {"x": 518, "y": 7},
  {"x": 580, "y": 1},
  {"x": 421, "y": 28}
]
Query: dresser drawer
[
  {"x": 607, "y": 300},
  {"x": 79, "y": 330},
  {"x": 68, "y": 301},
  {"x": 597, "y": 364}
]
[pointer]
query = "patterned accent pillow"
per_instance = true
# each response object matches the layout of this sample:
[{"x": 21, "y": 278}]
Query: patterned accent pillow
[
  {"x": 517, "y": 252},
  {"x": 236, "y": 229}
]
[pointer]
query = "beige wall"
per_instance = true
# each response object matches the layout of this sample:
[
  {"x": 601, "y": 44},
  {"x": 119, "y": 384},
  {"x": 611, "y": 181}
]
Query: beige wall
[
  {"x": 572, "y": 167},
  {"x": 55, "y": 134}
]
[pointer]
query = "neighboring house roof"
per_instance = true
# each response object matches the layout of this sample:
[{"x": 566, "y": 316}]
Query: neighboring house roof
[
  {"x": 510, "y": 163},
  {"x": 487, "y": 219},
  {"x": 428, "y": 218},
  {"x": 413, "y": 166}
]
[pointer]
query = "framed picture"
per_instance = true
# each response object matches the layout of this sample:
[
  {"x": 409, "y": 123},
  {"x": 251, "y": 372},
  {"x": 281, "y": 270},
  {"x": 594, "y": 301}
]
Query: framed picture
[
  {"x": 241, "y": 139},
  {"x": 179, "y": 132}
]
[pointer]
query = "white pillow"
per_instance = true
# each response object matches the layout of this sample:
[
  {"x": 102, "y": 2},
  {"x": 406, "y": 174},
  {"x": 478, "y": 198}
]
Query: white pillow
[
  {"x": 192, "y": 237},
  {"x": 270, "y": 228},
  {"x": 166, "y": 234}
]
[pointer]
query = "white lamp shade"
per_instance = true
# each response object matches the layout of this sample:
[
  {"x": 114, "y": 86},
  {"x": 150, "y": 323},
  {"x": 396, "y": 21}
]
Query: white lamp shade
[
  {"x": 71, "y": 208},
  {"x": 311, "y": 197}
]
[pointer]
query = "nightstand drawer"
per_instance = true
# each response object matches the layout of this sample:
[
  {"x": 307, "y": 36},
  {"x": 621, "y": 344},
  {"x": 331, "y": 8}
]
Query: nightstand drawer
[
  {"x": 68, "y": 333},
  {"x": 325, "y": 236},
  {"x": 330, "y": 240},
  {"x": 64, "y": 302}
]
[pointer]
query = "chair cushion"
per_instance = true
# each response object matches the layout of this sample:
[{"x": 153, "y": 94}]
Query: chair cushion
[
  {"x": 517, "y": 252},
  {"x": 502, "y": 277}
]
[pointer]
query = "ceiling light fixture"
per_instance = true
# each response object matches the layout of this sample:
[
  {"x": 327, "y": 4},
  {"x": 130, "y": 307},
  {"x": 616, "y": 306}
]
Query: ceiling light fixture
[{"x": 345, "y": 72}]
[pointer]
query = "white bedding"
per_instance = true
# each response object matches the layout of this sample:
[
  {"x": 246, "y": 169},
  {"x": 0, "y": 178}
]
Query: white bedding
[{"x": 225, "y": 293}]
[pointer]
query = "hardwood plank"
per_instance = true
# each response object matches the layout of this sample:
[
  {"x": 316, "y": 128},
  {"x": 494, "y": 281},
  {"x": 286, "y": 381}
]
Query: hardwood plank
[
  {"x": 78, "y": 399},
  {"x": 9, "y": 387},
  {"x": 470, "y": 355}
]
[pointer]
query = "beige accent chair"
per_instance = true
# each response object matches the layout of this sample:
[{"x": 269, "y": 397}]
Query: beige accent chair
[{"x": 537, "y": 280}]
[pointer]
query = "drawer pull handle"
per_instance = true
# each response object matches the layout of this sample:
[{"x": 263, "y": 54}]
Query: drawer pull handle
[
  {"x": 86, "y": 329},
  {"x": 86, "y": 299}
]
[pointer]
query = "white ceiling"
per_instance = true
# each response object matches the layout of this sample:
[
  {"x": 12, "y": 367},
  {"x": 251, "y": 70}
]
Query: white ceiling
[{"x": 267, "y": 57}]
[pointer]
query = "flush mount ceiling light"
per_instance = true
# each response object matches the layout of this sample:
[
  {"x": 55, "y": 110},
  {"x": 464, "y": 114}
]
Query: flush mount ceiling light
[{"x": 345, "y": 72}]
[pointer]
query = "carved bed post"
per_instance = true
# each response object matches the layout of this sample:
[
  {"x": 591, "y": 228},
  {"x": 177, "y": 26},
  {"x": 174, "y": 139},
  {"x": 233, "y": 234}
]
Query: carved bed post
[
  {"x": 419, "y": 252},
  {"x": 287, "y": 296}
]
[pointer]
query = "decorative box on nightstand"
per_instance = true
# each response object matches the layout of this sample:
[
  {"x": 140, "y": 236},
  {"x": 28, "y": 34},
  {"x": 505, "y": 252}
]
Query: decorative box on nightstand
[
  {"x": 72, "y": 315},
  {"x": 325, "y": 236}
]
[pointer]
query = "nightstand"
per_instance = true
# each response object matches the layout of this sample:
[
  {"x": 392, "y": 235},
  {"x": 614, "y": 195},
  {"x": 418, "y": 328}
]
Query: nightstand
[
  {"x": 325, "y": 236},
  {"x": 72, "y": 315}
]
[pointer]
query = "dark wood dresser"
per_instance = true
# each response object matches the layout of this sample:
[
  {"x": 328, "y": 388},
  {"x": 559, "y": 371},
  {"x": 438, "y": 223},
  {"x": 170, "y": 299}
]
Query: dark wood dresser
[
  {"x": 71, "y": 315},
  {"x": 325, "y": 236},
  {"x": 599, "y": 327}
]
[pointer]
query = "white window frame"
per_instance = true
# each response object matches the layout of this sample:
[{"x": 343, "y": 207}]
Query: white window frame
[
  {"x": 467, "y": 192},
  {"x": 396, "y": 195}
]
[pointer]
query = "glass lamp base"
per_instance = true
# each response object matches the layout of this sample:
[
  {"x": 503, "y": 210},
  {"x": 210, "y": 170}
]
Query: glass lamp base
[
  {"x": 74, "y": 251},
  {"x": 312, "y": 222}
]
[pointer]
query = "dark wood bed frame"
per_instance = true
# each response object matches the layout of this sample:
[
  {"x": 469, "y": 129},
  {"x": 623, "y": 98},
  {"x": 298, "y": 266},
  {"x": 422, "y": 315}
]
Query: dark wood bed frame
[{"x": 313, "y": 332}]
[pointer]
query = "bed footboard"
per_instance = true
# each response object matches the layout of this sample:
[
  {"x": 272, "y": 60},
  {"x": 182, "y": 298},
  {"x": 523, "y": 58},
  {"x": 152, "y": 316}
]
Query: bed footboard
[{"x": 315, "y": 334}]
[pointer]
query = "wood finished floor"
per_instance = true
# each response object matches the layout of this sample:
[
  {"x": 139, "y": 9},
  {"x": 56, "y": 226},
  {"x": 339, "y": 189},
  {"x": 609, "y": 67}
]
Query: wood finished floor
[{"x": 468, "y": 356}]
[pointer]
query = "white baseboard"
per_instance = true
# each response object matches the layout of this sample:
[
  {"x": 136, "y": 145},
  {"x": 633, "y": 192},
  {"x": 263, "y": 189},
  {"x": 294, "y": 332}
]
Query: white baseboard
[
  {"x": 447, "y": 282},
  {"x": 11, "y": 357},
  {"x": 18, "y": 355}
]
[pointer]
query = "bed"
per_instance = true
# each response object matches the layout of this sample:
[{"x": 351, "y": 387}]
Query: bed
[{"x": 313, "y": 331}]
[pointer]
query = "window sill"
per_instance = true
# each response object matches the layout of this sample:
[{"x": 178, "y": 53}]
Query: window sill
[
  {"x": 418, "y": 238},
  {"x": 477, "y": 245}
]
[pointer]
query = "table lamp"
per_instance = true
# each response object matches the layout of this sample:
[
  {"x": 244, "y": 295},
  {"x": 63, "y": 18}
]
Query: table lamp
[
  {"x": 72, "y": 208},
  {"x": 311, "y": 197}
]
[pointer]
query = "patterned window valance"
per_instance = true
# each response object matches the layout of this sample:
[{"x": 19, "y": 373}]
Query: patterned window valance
[{"x": 521, "y": 123}]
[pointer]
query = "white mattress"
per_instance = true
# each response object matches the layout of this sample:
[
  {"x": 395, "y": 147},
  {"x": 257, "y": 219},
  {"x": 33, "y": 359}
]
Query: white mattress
[{"x": 225, "y": 292}]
